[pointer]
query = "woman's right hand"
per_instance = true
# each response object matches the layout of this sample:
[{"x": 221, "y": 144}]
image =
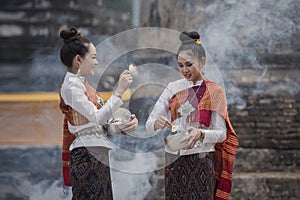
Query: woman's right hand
[
  {"x": 161, "y": 123},
  {"x": 125, "y": 81},
  {"x": 130, "y": 126}
]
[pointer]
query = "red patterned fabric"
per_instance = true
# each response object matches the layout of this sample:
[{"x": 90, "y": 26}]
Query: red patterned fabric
[
  {"x": 74, "y": 118},
  {"x": 213, "y": 99},
  {"x": 189, "y": 177},
  {"x": 90, "y": 176}
]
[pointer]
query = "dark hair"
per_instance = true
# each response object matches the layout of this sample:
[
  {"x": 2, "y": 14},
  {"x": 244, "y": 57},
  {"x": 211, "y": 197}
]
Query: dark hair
[
  {"x": 188, "y": 42},
  {"x": 73, "y": 45}
]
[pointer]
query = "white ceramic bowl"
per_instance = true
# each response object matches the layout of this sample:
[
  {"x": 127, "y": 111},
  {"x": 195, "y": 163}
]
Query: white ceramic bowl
[
  {"x": 115, "y": 122},
  {"x": 173, "y": 142}
]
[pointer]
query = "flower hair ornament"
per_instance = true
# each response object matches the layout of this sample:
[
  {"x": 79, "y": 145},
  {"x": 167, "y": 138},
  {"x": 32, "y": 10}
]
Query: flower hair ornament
[{"x": 198, "y": 41}]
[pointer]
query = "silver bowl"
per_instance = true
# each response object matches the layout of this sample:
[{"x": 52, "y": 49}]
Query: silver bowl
[
  {"x": 173, "y": 142},
  {"x": 115, "y": 123}
]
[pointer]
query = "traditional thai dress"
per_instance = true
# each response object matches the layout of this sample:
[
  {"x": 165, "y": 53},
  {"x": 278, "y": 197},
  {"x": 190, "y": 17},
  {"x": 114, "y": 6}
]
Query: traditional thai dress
[
  {"x": 205, "y": 171},
  {"x": 85, "y": 144}
]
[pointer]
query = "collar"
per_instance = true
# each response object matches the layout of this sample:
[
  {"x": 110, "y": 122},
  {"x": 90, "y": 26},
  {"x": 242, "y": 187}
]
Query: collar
[
  {"x": 191, "y": 84},
  {"x": 81, "y": 78}
]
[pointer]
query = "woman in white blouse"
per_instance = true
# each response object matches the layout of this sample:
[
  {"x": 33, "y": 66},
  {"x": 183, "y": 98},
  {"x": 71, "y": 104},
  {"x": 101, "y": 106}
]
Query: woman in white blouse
[
  {"x": 85, "y": 115},
  {"x": 197, "y": 106}
]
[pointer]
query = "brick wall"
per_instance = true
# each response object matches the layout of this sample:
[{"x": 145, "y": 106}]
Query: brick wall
[
  {"x": 29, "y": 25},
  {"x": 268, "y": 122}
]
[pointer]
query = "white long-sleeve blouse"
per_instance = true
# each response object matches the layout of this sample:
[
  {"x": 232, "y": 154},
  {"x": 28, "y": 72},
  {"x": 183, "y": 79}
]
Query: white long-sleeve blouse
[
  {"x": 215, "y": 133},
  {"x": 73, "y": 93}
]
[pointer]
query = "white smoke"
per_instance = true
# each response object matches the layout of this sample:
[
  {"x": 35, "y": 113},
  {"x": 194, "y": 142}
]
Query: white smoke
[
  {"x": 132, "y": 186},
  {"x": 237, "y": 32}
]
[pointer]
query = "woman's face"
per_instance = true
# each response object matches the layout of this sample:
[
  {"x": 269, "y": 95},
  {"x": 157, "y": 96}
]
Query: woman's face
[
  {"x": 190, "y": 66},
  {"x": 89, "y": 62}
]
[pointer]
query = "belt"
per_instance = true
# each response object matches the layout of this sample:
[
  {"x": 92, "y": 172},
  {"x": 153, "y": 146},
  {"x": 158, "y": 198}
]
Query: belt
[{"x": 91, "y": 132}]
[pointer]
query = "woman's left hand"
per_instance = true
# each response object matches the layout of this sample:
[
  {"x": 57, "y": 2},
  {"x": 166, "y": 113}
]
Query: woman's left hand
[
  {"x": 193, "y": 136},
  {"x": 130, "y": 126}
]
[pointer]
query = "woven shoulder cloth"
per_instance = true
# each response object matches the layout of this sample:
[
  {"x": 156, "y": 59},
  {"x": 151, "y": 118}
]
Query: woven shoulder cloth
[
  {"x": 75, "y": 119},
  {"x": 213, "y": 99}
]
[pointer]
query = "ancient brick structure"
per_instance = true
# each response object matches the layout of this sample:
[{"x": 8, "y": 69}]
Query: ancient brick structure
[{"x": 29, "y": 25}]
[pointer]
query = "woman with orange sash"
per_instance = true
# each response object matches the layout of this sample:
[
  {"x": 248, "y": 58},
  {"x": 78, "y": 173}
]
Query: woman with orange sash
[
  {"x": 85, "y": 143},
  {"x": 202, "y": 167}
]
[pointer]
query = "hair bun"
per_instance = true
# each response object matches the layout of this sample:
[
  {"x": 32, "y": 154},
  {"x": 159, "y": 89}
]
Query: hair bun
[
  {"x": 189, "y": 36},
  {"x": 69, "y": 34}
]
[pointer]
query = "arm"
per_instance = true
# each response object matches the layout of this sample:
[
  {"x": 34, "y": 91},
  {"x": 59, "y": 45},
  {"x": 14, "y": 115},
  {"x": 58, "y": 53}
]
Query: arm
[
  {"x": 158, "y": 117},
  {"x": 74, "y": 95},
  {"x": 216, "y": 133}
]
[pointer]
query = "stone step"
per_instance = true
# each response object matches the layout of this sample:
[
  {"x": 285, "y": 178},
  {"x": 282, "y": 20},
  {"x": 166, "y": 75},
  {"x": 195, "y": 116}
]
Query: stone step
[
  {"x": 244, "y": 59},
  {"x": 268, "y": 185},
  {"x": 250, "y": 186},
  {"x": 267, "y": 160},
  {"x": 263, "y": 76},
  {"x": 268, "y": 122},
  {"x": 262, "y": 138},
  {"x": 289, "y": 57}
]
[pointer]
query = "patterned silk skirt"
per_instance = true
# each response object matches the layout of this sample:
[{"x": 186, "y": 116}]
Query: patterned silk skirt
[
  {"x": 90, "y": 177},
  {"x": 190, "y": 177}
]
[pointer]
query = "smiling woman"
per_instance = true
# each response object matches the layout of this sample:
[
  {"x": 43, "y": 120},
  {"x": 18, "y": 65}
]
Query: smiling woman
[
  {"x": 199, "y": 164},
  {"x": 85, "y": 142}
]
